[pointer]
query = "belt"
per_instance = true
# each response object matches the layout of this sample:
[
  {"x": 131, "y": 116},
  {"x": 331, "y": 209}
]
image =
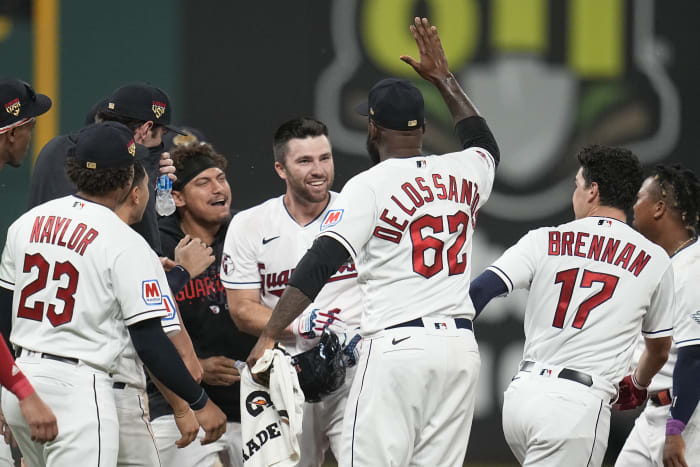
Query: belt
[
  {"x": 661, "y": 398},
  {"x": 118, "y": 385},
  {"x": 565, "y": 373},
  {"x": 460, "y": 323},
  {"x": 50, "y": 356}
]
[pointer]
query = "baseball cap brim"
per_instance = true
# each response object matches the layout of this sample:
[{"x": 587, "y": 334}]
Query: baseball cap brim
[
  {"x": 175, "y": 130},
  {"x": 363, "y": 109},
  {"x": 40, "y": 106}
]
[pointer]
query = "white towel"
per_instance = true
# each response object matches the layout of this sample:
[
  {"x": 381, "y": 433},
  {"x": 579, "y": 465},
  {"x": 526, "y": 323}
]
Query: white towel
[{"x": 271, "y": 418}]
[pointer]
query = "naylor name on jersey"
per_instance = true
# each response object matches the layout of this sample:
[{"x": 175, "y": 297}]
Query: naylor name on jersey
[
  {"x": 57, "y": 230},
  {"x": 414, "y": 194},
  {"x": 275, "y": 282},
  {"x": 599, "y": 248}
]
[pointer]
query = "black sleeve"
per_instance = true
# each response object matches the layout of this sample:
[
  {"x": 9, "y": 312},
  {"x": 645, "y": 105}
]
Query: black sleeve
[
  {"x": 474, "y": 132},
  {"x": 323, "y": 259},
  {"x": 686, "y": 383},
  {"x": 178, "y": 277},
  {"x": 161, "y": 358},
  {"x": 485, "y": 287},
  {"x": 6, "y": 314}
]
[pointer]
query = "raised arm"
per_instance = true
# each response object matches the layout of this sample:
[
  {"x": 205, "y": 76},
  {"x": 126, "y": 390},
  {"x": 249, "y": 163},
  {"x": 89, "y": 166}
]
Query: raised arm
[{"x": 471, "y": 129}]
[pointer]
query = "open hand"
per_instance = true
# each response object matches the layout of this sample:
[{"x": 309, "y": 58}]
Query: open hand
[{"x": 433, "y": 62}]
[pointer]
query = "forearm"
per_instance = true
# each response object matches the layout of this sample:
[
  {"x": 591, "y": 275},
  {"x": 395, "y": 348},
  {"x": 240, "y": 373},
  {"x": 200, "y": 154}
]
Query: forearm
[
  {"x": 686, "y": 383},
  {"x": 652, "y": 360},
  {"x": 160, "y": 357},
  {"x": 178, "y": 404},
  {"x": 250, "y": 317},
  {"x": 10, "y": 376},
  {"x": 178, "y": 277},
  {"x": 455, "y": 98},
  {"x": 291, "y": 304}
]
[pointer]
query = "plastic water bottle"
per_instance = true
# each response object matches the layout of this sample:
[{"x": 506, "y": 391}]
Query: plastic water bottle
[{"x": 165, "y": 204}]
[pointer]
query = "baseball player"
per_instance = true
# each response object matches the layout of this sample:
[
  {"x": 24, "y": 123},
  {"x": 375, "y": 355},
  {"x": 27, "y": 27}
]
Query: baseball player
[
  {"x": 594, "y": 283},
  {"x": 666, "y": 212},
  {"x": 137, "y": 446},
  {"x": 203, "y": 198},
  {"x": 20, "y": 107},
  {"x": 263, "y": 246},
  {"x": 84, "y": 284},
  {"x": 408, "y": 224}
]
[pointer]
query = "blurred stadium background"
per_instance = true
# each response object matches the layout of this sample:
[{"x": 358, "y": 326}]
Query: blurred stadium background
[{"x": 549, "y": 75}]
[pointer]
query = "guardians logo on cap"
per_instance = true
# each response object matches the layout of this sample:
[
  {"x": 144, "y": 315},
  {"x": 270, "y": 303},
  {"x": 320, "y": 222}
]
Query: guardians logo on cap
[
  {"x": 13, "y": 107},
  {"x": 131, "y": 147},
  {"x": 158, "y": 108}
]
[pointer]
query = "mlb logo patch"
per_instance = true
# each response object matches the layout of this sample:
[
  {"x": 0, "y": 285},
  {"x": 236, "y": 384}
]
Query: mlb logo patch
[
  {"x": 150, "y": 292},
  {"x": 604, "y": 223},
  {"x": 227, "y": 264},
  {"x": 78, "y": 205},
  {"x": 332, "y": 218},
  {"x": 440, "y": 325},
  {"x": 170, "y": 307}
]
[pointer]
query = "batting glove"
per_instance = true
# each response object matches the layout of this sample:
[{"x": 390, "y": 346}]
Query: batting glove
[
  {"x": 351, "y": 353},
  {"x": 312, "y": 323},
  {"x": 631, "y": 394}
]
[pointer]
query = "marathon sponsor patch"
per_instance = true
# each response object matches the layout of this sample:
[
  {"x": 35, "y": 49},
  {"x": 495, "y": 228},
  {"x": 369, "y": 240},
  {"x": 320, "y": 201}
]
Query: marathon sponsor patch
[
  {"x": 170, "y": 307},
  {"x": 150, "y": 292},
  {"x": 332, "y": 218}
]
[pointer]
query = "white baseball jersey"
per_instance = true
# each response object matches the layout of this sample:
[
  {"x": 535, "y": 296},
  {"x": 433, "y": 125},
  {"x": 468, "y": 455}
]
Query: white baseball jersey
[
  {"x": 80, "y": 276},
  {"x": 594, "y": 283},
  {"x": 263, "y": 246},
  {"x": 130, "y": 368},
  {"x": 686, "y": 316},
  {"x": 408, "y": 223}
]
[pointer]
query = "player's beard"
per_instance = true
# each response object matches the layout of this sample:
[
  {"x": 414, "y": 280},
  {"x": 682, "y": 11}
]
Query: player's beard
[{"x": 372, "y": 150}]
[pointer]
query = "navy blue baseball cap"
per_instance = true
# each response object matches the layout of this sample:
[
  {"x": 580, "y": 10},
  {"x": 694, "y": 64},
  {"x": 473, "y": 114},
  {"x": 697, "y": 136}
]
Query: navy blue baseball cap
[
  {"x": 395, "y": 104},
  {"x": 19, "y": 103},
  {"x": 143, "y": 102},
  {"x": 184, "y": 135},
  {"x": 104, "y": 145}
]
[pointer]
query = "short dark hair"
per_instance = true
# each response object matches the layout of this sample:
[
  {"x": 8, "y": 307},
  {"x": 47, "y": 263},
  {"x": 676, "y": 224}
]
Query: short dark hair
[
  {"x": 180, "y": 153},
  {"x": 297, "y": 128},
  {"x": 139, "y": 174},
  {"x": 109, "y": 116},
  {"x": 617, "y": 172},
  {"x": 97, "y": 182},
  {"x": 681, "y": 188}
]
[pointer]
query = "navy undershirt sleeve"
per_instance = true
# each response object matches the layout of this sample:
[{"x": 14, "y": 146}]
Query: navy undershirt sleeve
[
  {"x": 474, "y": 132},
  {"x": 6, "y": 314},
  {"x": 323, "y": 259},
  {"x": 485, "y": 287},
  {"x": 686, "y": 383},
  {"x": 178, "y": 277},
  {"x": 161, "y": 358}
]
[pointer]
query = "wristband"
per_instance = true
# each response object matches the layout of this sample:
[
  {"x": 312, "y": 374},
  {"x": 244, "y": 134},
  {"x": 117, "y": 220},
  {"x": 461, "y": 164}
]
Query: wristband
[
  {"x": 674, "y": 427},
  {"x": 200, "y": 402},
  {"x": 636, "y": 383}
]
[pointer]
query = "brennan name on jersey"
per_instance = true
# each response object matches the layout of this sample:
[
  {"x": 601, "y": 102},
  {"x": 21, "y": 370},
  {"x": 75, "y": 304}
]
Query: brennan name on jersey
[
  {"x": 53, "y": 229},
  {"x": 600, "y": 248},
  {"x": 464, "y": 192}
]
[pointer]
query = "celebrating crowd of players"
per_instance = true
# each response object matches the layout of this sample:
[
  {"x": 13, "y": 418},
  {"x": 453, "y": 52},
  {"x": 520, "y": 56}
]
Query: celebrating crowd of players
[{"x": 103, "y": 302}]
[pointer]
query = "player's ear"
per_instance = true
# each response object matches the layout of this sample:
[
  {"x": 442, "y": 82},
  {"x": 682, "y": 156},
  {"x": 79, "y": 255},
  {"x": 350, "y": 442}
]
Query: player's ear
[
  {"x": 178, "y": 198},
  {"x": 660, "y": 209},
  {"x": 281, "y": 170},
  {"x": 593, "y": 193}
]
